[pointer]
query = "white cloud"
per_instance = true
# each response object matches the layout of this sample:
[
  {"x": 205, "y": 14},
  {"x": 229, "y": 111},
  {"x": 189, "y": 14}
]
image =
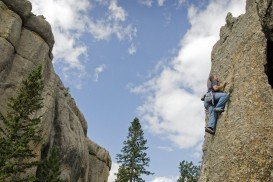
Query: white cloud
[
  {"x": 98, "y": 71},
  {"x": 68, "y": 22},
  {"x": 172, "y": 108},
  {"x": 128, "y": 32},
  {"x": 132, "y": 49},
  {"x": 70, "y": 19},
  {"x": 165, "y": 179},
  {"x": 161, "y": 2},
  {"x": 103, "y": 30},
  {"x": 164, "y": 148},
  {"x": 105, "y": 27},
  {"x": 100, "y": 30},
  {"x": 116, "y": 12},
  {"x": 102, "y": 2},
  {"x": 180, "y": 2},
  {"x": 197, "y": 154},
  {"x": 146, "y": 2},
  {"x": 114, "y": 170}
]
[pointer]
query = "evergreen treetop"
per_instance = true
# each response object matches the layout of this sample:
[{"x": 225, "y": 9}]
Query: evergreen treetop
[
  {"x": 49, "y": 170},
  {"x": 19, "y": 128},
  {"x": 123, "y": 174},
  {"x": 188, "y": 172},
  {"x": 133, "y": 157}
]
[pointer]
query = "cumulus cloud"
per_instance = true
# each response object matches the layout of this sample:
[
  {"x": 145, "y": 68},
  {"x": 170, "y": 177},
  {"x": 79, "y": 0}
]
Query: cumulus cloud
[
  {"x": 113, "y": 24},
  {"x": 114, "y": 170},
  {"x": 70, "y": 19},
  {"x": 98, "y": 71},
  {"x": 164, "y": 148},
  {"x": 100, "y": 29},
  {"x": 68, "y": 22},
  {"x": 116, "y": 12},
  {"x": 132, "y": 49},
  {"x": 105, "y": 27},
  {"x": 180, "y": 2},
  {"x": 197, "y": 154},
  {"x": 146, "y": 2},
  {"x": 103, "y": 30},
  {"x": 172, "y": 108},
  {"x": 165, "y": 179},
  {"x": 161, "y": 2}
]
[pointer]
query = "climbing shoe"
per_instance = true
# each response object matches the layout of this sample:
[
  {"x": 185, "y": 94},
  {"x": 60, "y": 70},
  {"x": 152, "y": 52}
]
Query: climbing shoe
[
  {"x": 210, "y": 130},
  {"x": 218, "y": 109}
]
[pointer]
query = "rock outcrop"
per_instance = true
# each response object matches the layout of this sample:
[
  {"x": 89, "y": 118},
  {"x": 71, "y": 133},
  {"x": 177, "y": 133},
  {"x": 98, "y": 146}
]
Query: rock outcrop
[
  {"x": 242, "y": 148},
  {"x": 26, "y": 41}
]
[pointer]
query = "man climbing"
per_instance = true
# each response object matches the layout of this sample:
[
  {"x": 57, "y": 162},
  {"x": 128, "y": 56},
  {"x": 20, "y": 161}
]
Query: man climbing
[{"x": 215, "y": 101}]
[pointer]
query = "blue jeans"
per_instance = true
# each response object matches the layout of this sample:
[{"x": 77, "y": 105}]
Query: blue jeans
[{"x": 221, "y": 99}]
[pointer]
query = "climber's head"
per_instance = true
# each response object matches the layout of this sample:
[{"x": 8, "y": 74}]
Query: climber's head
[{"x": 213, "y": 77}]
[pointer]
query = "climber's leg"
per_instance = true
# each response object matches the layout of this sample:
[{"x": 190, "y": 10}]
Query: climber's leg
[
  {"x": 221, "y": 99},
  {"x": 212, "y": 118}
]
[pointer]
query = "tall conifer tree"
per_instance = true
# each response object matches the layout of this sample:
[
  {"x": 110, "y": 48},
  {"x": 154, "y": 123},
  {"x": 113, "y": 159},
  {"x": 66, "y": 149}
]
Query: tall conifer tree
[
  {"x": 50, "y": 168},
  {"x": 19, "y": 128},
  {"x": 123, "y": 174},
  {"x": 188, "y": 172},
  {"x": 133, "y": 157}
]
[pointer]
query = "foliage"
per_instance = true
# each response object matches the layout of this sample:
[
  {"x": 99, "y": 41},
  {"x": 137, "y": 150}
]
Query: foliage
[
  {"x": 19, "y": 128},
  {"x": 50, "y": 169},
  {"x": 123, "y": 174},
  {"x": 133, "y": 157},
  {"x": 188, "y": 172}
]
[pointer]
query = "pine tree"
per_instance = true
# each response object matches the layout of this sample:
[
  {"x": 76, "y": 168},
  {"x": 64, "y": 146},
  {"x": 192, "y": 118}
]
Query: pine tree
[
  {"x": 188, "y": 172},
  {"x": 133, "y": 157},
  {"x": 123, "y": 174},
  {"x": 50, "y": 169},
  {"x": 19, "y": 128}
]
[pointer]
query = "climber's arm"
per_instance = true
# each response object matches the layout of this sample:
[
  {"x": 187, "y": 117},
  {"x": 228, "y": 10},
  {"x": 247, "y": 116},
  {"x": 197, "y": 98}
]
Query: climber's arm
[{"x": 219, "y": 87}]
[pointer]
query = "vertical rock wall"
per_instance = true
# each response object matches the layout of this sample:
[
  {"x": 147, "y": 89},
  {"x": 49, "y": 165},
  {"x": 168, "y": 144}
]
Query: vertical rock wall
[
  {"x": 242, "y": 148},
  {"x": 26, "y": 41}
]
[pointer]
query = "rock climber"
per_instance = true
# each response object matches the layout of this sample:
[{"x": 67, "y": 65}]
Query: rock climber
[{"x": 215, "y": 101}]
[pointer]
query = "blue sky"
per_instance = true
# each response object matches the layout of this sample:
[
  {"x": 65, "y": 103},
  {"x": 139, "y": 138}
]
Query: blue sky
[{"x": 139, "y": 58}]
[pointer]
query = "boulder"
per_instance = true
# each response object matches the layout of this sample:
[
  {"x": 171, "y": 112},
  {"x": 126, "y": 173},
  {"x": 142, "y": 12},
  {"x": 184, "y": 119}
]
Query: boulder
[
  {"x": 11, "y": 24},
  {"x": 21, "y": 7},
  {"x": 39, "y": 25},
  {"x": 99, "y": 159},
  {"x": 6, "y": 53},
  {"x": 32, "y": 47}
]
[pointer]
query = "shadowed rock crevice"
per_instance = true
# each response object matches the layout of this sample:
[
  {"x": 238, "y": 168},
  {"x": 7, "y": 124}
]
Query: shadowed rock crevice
[
  {"x": 269, "y": 64},
  {"x": 44, "y": 153},
  {"x": 266, "y": 17}
]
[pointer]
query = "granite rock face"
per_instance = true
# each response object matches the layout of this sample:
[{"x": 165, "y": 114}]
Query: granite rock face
[
  {"x": 242, "y": 148},
  {"x": 26, "y": 41}
]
